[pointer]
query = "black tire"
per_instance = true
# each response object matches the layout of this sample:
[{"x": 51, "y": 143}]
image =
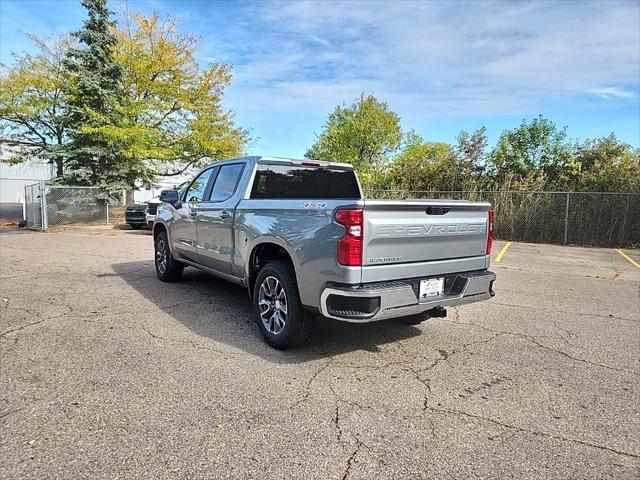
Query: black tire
[
  {"x": 297, "y": 322},
  {"x": 135, "y": 226},
  {"x": 171, "y": 270}
]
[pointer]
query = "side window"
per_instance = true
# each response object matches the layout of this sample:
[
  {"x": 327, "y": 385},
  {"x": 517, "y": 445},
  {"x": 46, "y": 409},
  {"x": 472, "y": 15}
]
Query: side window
[
  {"x": 197, "y": 189},
  {"x": 226, "y": 182}
]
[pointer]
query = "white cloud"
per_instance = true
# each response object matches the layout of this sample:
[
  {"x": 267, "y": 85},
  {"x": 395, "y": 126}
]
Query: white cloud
[
  {"x": 611, "y": 92},
  {"x": 449, "y": 58}
]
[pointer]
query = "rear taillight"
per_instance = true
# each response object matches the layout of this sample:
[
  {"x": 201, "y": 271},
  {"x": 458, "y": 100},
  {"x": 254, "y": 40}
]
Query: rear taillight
[
  {"x": 490, "y": 233},
  {"x": 350, "y": 245}
]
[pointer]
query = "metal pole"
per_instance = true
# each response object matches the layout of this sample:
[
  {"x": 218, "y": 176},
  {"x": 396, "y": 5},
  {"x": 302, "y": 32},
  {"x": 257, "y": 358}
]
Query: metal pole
[
  {"x": 43, "y": 206},
  {"x": 107, "y": 212},
  {"x": 566, "y": 219},
  {"x": 24, "y": 204}
]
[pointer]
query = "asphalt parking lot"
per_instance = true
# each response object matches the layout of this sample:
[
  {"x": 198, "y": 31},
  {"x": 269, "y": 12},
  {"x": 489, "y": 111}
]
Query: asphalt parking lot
[{"x": 108, "y": 373}]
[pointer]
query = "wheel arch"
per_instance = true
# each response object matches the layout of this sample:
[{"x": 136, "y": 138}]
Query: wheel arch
[
  {"x": 265, "y": 251},
  {"x": 157, "y": 228}
]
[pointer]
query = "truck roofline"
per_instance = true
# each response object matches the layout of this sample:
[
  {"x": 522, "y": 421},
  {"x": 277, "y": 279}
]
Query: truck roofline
[
  {"x": 269, "y": 160},
  {"x": 302, "y": 162}
]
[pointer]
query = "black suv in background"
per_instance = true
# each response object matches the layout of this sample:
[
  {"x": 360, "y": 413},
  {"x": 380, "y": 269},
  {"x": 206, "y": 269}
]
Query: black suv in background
[
  {"x": 154, "y": 203},
  {"x": 135, "y": 216}
]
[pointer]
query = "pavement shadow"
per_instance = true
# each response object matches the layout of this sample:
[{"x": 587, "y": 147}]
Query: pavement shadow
[
  {"x": 220, "y": 310},
  {"x": 130, "y": 231}
]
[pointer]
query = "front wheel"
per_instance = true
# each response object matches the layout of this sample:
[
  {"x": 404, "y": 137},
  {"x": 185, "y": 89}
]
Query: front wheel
[
  {"x": 167, "y": 268},
  {"x": 279, "y": 313}
]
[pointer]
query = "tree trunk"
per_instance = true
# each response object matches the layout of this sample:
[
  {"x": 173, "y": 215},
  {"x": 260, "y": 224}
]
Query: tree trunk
[
  {"x": 59, "y": 167},
  {"x": 129, "y": 196}
]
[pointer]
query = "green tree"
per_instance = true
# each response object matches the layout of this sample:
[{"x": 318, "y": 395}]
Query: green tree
[
  {"x": 604, "y": 164},
  {"x": 33, "y": 111},
  {"x": 471, "y": 153},
  {"x": 171, "y": 117},
  {"x": 425, "y": 165},
  {"x": 531, "y": 155},
  {"x": 94, "y": 97},
  {"x": 365, "y": 134}
]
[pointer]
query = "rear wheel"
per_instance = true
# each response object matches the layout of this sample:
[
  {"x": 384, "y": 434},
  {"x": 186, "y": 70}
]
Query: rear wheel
[
  {"x": 167, "y": 268},
  {"x": 279, "y": 313}
]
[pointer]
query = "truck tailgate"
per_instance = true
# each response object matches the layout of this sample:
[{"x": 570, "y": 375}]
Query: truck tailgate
[{"x": 424, "y": 231}]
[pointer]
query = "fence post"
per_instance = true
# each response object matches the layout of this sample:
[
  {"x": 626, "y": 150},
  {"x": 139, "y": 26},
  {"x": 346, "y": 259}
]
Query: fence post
[
  {"x": 107, "y": 212},
  {"x": 43, "y": 205},
  {"x": 566, "y": 219}
]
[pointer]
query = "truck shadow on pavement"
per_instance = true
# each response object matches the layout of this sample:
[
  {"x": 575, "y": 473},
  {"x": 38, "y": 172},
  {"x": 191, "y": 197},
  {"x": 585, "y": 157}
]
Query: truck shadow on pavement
[{"x": 221, "y": 311}]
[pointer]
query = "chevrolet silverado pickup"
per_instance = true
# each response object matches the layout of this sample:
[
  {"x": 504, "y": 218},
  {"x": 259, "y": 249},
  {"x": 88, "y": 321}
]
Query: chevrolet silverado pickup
[{"x": 306, "y": 244}]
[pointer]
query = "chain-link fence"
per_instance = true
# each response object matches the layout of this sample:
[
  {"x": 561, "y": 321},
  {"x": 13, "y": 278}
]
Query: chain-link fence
[
  {"x": 49, "y": 206},
  {"x": 579, "y": 218}
]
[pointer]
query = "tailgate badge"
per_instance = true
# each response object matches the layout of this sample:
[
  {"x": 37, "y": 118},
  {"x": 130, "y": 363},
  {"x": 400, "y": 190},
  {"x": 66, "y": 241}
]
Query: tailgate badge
[
  {"x": 315, "y": 205},
  {"x": 383, "y": 259}
]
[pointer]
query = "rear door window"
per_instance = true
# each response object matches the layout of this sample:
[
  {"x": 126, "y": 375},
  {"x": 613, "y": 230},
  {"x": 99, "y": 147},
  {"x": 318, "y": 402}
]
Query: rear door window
[
  {"x": 226, "y": 182},
  {"x": 284, "y": 181}
]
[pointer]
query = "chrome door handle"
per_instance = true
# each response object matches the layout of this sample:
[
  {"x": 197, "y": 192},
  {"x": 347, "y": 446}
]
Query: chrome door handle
[{"x": 224, "y": 215}]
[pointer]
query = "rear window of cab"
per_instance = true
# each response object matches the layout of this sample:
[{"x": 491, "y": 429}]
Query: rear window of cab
[{"x": 285, "y": 181}]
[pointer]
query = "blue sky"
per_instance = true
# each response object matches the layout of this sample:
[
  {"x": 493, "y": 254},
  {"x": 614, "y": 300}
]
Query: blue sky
[{"x": 443, "y": 66}]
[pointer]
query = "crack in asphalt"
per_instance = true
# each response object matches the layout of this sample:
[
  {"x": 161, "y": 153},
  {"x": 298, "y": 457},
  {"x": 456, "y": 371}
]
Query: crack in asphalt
[
  {"x": 532, "y": 432},
  {"x": 17, "y": 329},
  {"x": 36, "y": 274},
  {"x": 555, "y": 310},
  {"x": 444, "y": 356},
  {"x": 533, "y": 339},
  {"x": 578, "y": 359},
  {"x": 351, "y": 459},
  {"x": 190, "y": 343},
  {"x": 11, "y": 412},
  {"x": 73, "y": 254},
  {"x": 349, "y": 402},
  {"x": 69, "y": 314},
  {"x": 27, "y": 325},
  {"x": 336, "y": 421},
  {"x": 314, "y": 375}
]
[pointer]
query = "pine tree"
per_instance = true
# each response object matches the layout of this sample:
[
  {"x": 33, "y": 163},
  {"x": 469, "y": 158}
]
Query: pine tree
[{"x": 93, "y": 158}]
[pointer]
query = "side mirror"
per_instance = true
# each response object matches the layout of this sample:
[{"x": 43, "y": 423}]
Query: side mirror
[{"x": 169, "y": 196}]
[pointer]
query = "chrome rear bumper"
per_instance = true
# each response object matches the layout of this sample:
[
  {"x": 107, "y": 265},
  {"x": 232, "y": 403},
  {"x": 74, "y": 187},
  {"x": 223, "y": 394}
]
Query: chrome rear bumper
[{"x": 379, "y": 301}]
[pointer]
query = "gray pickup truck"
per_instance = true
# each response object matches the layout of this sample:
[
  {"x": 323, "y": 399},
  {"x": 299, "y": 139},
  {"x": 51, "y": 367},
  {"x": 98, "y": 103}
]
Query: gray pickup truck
[{"x": 302, "y": 239}]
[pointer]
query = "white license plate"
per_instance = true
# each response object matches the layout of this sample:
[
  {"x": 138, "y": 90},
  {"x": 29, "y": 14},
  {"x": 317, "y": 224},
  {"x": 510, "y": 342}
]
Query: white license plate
[{"x": 431, "y": 287}]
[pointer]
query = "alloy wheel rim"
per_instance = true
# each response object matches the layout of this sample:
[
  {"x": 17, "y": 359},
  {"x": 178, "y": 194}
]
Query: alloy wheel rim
[
  {"x": 161, "y": 257},
  {"x": 272, "y": 302}
]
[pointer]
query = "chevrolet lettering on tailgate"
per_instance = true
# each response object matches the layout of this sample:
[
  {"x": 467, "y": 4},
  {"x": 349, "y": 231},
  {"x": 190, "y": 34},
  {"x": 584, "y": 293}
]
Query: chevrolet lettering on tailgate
[{"x": 428, "y": 230}]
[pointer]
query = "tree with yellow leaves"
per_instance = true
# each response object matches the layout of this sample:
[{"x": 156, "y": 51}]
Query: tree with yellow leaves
[
  {"x": 159, "y": 113},
  {"x": 173, "y": 113},
  {"x": 33, "y": 110}
]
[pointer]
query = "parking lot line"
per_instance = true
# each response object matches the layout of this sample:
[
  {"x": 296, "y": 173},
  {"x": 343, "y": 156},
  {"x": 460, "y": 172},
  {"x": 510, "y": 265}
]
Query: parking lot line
[
  {"x": 627, "y": 258},
  {"x": 503, "y": 251}
]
